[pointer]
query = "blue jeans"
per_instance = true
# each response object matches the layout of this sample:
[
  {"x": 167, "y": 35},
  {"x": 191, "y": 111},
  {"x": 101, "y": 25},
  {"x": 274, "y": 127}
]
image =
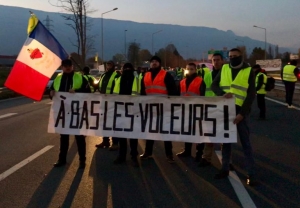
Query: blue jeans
[{"x": 244, "y": 135}]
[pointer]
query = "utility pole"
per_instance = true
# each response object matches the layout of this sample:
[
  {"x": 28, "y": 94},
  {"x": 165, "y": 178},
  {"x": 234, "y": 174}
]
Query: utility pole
[{"x": 48, "y": 24}]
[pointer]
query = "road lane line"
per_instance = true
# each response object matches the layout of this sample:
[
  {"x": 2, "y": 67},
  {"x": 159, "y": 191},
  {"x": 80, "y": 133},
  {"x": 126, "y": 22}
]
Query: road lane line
[
  {"x": 238, "y": 187},
  {"x": 24, "y": 162},
  {"x": 282, "y": 103},
  {"x": 50, "y": 103},
  {"x": 7, "y": 115}
]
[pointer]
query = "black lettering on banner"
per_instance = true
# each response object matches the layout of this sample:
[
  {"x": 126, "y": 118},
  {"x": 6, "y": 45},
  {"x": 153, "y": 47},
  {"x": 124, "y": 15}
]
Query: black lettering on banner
[
  {"x": 61, "y": 115},
  {"x": 152, "y": 105},
  {"x": 213, "y": 120},
  {"x": 105, "y": 118},
  {"x": 116, "y": 115},
  {"x": 127, "y": 115},
  {"x": 144, "y": 118},
  {"x": 161, "y": 126},
  {"x": 226, "y": 120},
  {"x": 189, "y": 132},
  {"x": 173, "y": 118},
  {"x": 75, "y": 113},
  {"x": 95, "y": 114},
  {"x": 199, "y": 119},
  {"x": 84, "y": 116}
]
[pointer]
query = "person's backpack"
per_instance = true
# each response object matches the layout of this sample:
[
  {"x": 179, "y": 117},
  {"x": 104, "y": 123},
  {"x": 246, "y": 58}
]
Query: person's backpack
[{"x": 270, "y": 85}]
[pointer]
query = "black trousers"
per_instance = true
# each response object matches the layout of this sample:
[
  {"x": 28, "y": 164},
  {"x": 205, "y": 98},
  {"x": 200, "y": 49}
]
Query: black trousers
[
  {"x": 115, "y": 140},
  {"x": 199, "y": 148},
  {"x": 149, "y": 147},
  {"x": 261, "y": 104},
  {"x": 64, "y": 147},
  {"x": 289, "y": 92},
  {"x": 123, "y": 148}
]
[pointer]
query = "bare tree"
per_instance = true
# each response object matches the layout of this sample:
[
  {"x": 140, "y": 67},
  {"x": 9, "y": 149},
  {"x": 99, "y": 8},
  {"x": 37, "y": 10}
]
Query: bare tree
[{"x": 77, "y": 11}]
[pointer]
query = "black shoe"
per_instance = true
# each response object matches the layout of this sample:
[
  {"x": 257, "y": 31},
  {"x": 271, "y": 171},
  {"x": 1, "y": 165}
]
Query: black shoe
[
  {"x": 184, "y": 154},
  {"x": 81, "y": 165},
  {"x": 102, "y": 145},
  {"x": 170, "y": 159},
  {"x": 145, "y": 156},
  {"x": 119, "y": 160},
  {"x": 59, "y": 164},
  {"x": 222, "y": 174},
  {"x": 134, "y": 162},
  {"x": 231, "y": 167},
  {"x": 251, "y": 180},
  {"x": 204, "y": 163}
]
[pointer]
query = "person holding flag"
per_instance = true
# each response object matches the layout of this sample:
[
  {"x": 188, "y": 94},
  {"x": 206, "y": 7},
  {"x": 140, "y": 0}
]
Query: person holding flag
[
  {"x": 37, "y": 61},
  {"x": 70, "y": 81}
]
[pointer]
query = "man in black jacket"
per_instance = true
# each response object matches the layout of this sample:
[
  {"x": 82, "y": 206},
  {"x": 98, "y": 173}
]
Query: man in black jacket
[
  {"x": 106, "y": 86},
  {"x": 155, "y": 67},
  {"x": 127, "y": 84},
  {"x": 64, "y": 83}
]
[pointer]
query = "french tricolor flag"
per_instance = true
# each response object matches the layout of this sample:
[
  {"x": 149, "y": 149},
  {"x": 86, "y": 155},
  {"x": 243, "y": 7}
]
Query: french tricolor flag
[{"x": 39, "y": 58}]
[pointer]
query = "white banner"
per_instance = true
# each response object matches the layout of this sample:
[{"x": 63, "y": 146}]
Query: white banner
[
  {"x": 185, "y": 119},
  {"x": 270, "y": 65}
]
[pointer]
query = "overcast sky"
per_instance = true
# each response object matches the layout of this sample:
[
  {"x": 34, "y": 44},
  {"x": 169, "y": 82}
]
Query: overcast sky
[{"x": 280, "y": 17}]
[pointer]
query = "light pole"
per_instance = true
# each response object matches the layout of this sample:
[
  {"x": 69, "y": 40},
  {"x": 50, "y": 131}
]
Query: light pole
[
  {"x": 125, "y": 45},
  {"x": 265, "y": 39},
  {"x": 102, "y": 45},
  {"x": 152, "y": 38}
]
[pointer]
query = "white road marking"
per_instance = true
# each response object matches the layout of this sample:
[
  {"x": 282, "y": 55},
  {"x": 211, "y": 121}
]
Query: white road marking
[
  {"x": 50, "y": 103},
  {"x": 24, "y": 162},
  {"x": 7, "y": 115},
  {"x": 238, "y": 187},
  {"x": 282, "y": 103}
]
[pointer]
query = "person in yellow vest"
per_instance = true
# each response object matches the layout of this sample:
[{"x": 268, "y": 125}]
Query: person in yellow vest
[
  {"x": 200, "y": 71},
  {"x": 180, "y": 73},
  {"x": 217, "y": 62},
  {"x": 289, "y": 76},
  {"x": 192, "y": 85},
  {"x": 237, "y": 79},
  {"x": 127, "y": 84},
  {"x": 205, "y": 68},
  {"x": 70, "y": 81},
  {"x": 158, "y": 82},
  {"x": 91, "y": 80},
  {"x": 260, "y": 84},
  {"x": 106, "y": 86}
]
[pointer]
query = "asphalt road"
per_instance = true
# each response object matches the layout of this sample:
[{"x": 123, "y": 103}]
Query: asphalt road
[{"x": 156, "y": 183}]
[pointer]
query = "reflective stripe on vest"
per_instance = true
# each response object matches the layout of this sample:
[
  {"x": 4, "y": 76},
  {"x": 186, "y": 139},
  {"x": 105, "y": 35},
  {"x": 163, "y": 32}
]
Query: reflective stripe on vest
[
  {"x": 288, "y": 73},
  {"x": 193, "y": 89},
  {"x": 157, "y": 86},
  {"x": 135, "y": 86},
  {"x": 262, "y": 90},
  {"x": 110, "y": 82},
  {"x": 87, "y": 79},
  {"x": 238, "y": 86},
  {"x": 208, "y": 81},
  {"x": 77, "y": 81}
]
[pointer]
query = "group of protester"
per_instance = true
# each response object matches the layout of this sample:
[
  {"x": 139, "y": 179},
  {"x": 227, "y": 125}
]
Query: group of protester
[{"x": 235, "y": 80}]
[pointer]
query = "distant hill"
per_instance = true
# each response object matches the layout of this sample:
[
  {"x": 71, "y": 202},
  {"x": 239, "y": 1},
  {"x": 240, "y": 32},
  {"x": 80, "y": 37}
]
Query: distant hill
[{"x": 190, "y": 41}]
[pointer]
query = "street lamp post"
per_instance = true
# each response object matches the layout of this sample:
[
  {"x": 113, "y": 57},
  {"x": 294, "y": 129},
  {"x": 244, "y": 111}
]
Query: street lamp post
[
  {"x": 125, "y": 45},
  {"x": 265, "y": 39},
  {"x": 102, "y": 45},
  {"x": 152, "y": 38}
]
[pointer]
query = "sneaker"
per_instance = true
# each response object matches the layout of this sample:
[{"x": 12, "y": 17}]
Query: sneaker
[
  {"x": 119, "y": 161},
  {"x": 222, "y": 174},
  {"x": 113, "y": 147},
  {"x": 170, "y": 159},
  {"x": 134, "y": 162},
  {"x": 204, "y": 163},
  {"x": 145, "y": 156},
  {"x": 183, "y": 154},
  {"x": 291, "y": 106},
  {"x": 59, "y": 164},
  {"x": 251, "y": 180},
  {"x": 102, "y": 145}
]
